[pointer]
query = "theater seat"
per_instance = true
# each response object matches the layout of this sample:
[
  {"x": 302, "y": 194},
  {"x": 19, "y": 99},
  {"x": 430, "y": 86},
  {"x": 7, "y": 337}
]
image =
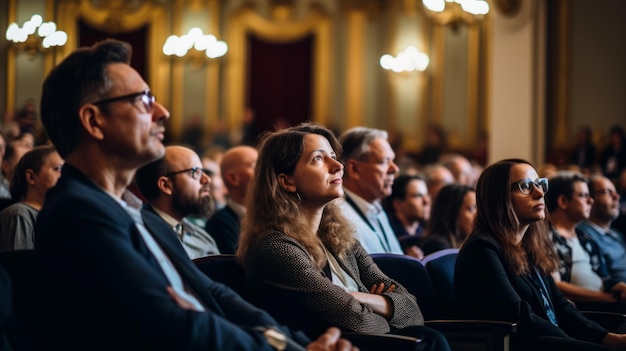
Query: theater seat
[
  {"x": 462, "y": 334},
  {"x": 225, "y": 269}
]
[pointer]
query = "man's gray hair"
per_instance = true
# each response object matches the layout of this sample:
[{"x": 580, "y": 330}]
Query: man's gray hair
[{"x": 356, "y": 141}]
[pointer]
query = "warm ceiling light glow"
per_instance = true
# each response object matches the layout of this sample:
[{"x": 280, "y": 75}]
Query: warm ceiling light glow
[
  {"x": 409, "y": 60},
  {"x": 197, "y": 40}
]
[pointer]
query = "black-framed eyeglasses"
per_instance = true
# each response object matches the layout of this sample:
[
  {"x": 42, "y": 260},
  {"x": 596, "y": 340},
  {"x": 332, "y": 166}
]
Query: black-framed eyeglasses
[
  {"x": 146, "y": 97},
  {"x": 527, "y": 186},
  {"x": 195, "y": 172}
]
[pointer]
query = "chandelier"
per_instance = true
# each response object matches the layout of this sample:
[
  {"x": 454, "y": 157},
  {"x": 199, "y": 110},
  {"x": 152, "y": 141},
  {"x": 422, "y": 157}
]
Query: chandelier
[
  {"x": 409, "y": 60},
  {"x": 35, "y": 35},
  {"x": 197, "y": 40},
  {"x": 456, "y": 11}
]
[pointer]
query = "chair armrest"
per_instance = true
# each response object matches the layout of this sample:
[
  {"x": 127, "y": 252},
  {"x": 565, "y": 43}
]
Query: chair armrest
[
  {"x": 377, "y": 342},
  {"x": 612, "y": 321},
  {"x": 472, "y": 325},
  {"x": 470, "y": 335}
]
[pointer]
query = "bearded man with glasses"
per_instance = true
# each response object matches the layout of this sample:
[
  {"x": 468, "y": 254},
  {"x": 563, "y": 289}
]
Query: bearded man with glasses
[{"x": 176, "y": 187}]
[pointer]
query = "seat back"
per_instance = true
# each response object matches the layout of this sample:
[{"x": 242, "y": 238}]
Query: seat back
[
  {"x": 224, "y": 269},
  {"x": 411, "y": 274},
  {"x": 25, "y": 277},
  {"x": 440, "y": 267}
]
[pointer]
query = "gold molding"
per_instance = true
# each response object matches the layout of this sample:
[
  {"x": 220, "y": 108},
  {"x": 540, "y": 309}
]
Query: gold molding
[
  {"x": 473, "y": 71},
  {"x": 355, "y": 67},
  {"x": 11, "y": 64},
  {"x": 213, "y": 71},
  {"x": 247, "y": 21},
  {"x": 561, "y": 132}
]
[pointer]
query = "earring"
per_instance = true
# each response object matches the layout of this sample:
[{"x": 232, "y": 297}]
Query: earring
[{"x": 298, "y": 196}]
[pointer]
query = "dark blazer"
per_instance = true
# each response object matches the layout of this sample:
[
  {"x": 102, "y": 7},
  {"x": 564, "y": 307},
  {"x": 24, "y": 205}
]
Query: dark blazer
[
  {"x": 284, "y": 280},
  {"x": 487, "y": 290},
  {"x": 224, "y": 227},
  {"x": 111, "y": 291}
]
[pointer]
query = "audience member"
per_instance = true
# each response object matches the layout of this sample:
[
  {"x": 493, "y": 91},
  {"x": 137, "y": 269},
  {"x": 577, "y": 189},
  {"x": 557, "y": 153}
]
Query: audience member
[
  {"x": 613, "y": 156},
  {"x": 451, "y": 218},
  {"x": 460, "y": 167},
  {"x": 369, "y": 174},
  {"x": 176, "y": 187},
  {"x": 547, "y": 170},
  {"x": 434, "y": 145},
  {"x": 408, "y": 208},
  {"x": 237, "y": 169},
  {"x": 582, "y": 275},
  {"x": 211, "y": 161},
  {"x": 302, "y": 260},
  {"x": 604, "y": 211},
  {"x": 619, "y": 223},
  {"x": 36, "y": 172},
  {"x": 584, "y": 153},
  {"x": 120, "y": 277},
  {"x": 437, "y": 176},
  {"x": 4, "y": 181},
  {"x": 13, "y": 153},
  {"x": 503, "y": 271}
]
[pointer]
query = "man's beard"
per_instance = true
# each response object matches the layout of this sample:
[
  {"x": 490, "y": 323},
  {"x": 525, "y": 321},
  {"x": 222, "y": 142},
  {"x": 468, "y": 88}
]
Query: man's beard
[{"x": 201, "y": 207}]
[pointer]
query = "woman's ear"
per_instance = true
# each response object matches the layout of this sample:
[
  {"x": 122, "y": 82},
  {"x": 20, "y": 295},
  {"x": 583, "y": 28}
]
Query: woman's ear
[
  {"x": 286, "y": 183},
  {"x": 30, "y": 176}
]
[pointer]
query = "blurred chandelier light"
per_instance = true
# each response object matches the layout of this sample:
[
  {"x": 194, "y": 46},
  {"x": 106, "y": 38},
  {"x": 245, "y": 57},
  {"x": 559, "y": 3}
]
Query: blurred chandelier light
[
  {"x": 35, "y": 35},
  {"x": 454, "y": 11},
  {"x": 408, "y": 60},
  {"x": 180, "y": 46}
]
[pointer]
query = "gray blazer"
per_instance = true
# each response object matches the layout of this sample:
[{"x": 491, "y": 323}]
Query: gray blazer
[{"x": 283, "y": 279}]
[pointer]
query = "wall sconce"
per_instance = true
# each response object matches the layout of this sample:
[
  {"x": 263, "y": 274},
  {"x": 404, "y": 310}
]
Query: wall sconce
[
  {"x": 408, "y": 60},
  {"x": 46, "y": 37},
  {"x": 455, "y": 11},
  {"x": 180, "y": 46}
]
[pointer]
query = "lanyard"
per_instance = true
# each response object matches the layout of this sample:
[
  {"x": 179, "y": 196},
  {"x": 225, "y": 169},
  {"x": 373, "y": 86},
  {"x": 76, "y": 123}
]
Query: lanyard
[{"x": 385, "y": 243}]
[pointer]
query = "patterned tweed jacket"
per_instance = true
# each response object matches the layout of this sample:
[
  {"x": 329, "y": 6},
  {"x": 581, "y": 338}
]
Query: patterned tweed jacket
[{"x": 283, "y": 280}]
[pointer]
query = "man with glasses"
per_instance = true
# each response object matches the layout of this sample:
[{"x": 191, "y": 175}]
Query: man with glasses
[
  {"x": 604, "y": 211},
  {"x": 583, "y": 276},
  {"x": 369, "y": 173},
  {"x": 176, "y": 187},
  {"x": 118, "y": 275}
]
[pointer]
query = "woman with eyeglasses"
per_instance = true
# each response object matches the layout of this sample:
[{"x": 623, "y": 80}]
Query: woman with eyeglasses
[{"x": 503, "y": 270}]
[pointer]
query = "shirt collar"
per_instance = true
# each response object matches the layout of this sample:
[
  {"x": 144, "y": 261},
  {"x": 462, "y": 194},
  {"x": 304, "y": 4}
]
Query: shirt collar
[
  {"x": 369, "y": 208},
  {"x": 171, "y": 221}
]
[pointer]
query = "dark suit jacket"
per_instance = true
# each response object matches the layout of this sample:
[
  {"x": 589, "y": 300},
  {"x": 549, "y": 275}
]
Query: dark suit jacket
[
  {"x": 487, "y": 290},
  {"x": 107, "y": 292},
  {"x": 224, "y": 228}
]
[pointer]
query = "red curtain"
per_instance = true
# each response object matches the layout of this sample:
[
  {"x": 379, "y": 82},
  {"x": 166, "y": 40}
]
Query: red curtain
[
  {"x": 88, "y": 36},
  {"x": 279, "y": 89}
]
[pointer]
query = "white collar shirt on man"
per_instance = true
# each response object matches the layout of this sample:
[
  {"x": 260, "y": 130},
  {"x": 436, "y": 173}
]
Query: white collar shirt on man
[
  {"x": 377, "y": 225},
  {"x": 166, "y": 265},
  {"x": 196, "y": 241}
]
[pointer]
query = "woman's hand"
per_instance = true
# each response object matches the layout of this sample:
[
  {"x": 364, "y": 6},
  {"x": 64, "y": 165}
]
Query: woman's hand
[{"x": 380, "y": 288}]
